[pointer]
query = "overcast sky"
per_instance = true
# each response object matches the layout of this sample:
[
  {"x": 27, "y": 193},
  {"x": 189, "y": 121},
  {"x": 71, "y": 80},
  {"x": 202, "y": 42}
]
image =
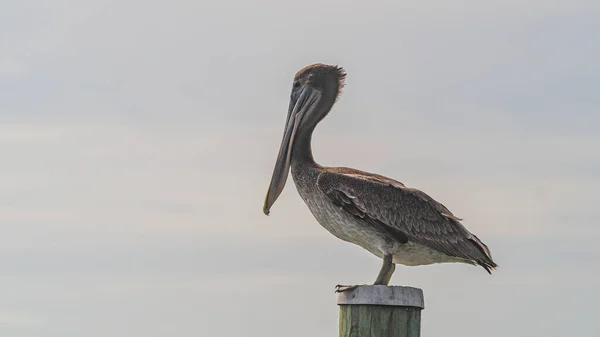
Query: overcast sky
[{"x": 137, "y": 141}]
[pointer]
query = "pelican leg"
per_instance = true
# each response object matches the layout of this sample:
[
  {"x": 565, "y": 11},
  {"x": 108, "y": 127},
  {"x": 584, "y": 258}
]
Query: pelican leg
[
  {"x": 387, "y": 269},
  {"x": 385, "y": 274},
  {"x": 389, "y": 275}
]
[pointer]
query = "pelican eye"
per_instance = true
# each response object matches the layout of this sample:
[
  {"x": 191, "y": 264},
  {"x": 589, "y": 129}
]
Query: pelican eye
[{"x": 296, "y": 90}]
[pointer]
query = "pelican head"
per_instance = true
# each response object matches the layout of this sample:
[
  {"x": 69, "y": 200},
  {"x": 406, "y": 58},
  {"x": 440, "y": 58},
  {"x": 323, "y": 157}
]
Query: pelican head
[{"x": 314, "y": 91}]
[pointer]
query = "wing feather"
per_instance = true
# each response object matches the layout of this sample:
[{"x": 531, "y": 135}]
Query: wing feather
[{"x": 408, "y": 213}]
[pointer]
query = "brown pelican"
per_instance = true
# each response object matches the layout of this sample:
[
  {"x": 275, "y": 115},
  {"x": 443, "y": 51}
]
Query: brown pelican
[{"x": 396, "y": 223}]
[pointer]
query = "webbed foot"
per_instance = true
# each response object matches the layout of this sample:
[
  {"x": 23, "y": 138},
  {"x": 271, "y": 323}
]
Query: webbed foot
[{"x": 341, "y": 288}]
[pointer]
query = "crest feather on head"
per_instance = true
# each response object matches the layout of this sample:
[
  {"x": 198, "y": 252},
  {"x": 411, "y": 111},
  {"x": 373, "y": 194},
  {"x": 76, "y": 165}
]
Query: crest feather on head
[{"x": 318, "y": 74}]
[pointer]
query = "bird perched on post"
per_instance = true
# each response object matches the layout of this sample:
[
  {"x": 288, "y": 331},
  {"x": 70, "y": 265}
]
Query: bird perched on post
[{"x": 398, "y": 224}]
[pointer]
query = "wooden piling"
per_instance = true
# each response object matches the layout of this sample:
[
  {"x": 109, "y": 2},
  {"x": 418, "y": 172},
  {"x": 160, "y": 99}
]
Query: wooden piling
[{"x": 381, "y": 311}]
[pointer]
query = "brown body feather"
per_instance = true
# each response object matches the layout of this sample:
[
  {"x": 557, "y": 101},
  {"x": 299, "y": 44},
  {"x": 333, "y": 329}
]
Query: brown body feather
[{"x": 408, "y": 214}]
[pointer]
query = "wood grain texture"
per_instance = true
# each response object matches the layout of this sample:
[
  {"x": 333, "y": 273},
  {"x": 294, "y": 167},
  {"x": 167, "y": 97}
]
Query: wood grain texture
[
  {"x": 379, "y": 321},
  {"x": 381, "y": 311}
]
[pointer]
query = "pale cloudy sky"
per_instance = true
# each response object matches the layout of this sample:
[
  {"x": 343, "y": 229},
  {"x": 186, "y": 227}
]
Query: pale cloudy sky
[{"x": 138, "y": 138}]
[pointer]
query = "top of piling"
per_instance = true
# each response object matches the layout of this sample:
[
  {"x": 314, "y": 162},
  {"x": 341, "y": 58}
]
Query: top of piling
[{"x": 383, "y": 295}]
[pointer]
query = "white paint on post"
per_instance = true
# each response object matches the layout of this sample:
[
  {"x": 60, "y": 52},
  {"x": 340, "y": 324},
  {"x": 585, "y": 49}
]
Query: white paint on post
[{"x": 383, "y": 295}]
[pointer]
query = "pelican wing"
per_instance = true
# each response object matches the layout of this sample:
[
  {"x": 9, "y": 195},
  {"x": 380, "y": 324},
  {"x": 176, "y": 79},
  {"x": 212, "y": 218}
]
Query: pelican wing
[{"x": 406, "y": 212}]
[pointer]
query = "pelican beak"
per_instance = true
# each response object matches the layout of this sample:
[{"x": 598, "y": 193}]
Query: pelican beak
[{"x": 306, "y": 100}]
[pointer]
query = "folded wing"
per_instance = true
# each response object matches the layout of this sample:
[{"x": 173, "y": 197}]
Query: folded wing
[{"x": 406, "y": 214}]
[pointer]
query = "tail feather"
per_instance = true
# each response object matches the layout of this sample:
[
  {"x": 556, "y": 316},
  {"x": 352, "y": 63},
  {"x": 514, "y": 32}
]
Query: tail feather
[{"x": 486, "y": 260}]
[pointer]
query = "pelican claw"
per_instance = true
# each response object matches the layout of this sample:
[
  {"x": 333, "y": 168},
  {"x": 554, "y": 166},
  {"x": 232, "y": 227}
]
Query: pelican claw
[{"x": 341, "y": 288}]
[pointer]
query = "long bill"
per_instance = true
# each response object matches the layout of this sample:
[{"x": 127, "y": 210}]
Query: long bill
[{"x": 296, "y": 114}]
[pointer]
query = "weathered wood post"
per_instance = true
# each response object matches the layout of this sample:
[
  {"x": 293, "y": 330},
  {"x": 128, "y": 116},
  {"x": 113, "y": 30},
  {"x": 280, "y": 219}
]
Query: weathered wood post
[{"x": 381, "y": 311}]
